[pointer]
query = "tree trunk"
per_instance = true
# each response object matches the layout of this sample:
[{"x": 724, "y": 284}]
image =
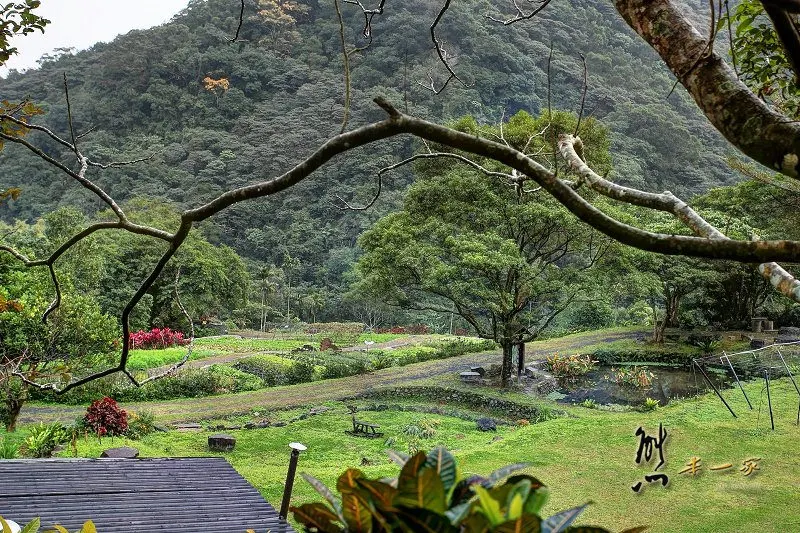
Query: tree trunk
[
  {"x": 521, "y": 362},
  {"x": 505, "y": 374},
  {"x": 12, "y": 410}
]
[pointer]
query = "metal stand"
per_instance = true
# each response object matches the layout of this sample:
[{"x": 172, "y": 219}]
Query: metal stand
[
  {"x": 769, "y": 400},
  {"x": 793, "y": 382},
  {"x": 736, "y": 377},
  {"x": 708, "y": 380}
]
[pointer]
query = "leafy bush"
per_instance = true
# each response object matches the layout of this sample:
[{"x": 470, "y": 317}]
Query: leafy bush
[
  {"x": 634, "y": 376},
  {"x": 650, "y": 405},
  {"x": 140, "y": 425},
  {"x": 341, "y": 369},
  {"x": 569, "y": 367},
  {"x": 424, "y": 429},
  {"x": 589, "y": 403},
  {"x": 300, "y": 371},
  {"x": 156, "y": 339},
  {"x": 43, "y": 440},
  {"x": 105, "y": 418},
  {"x": 381, "y": 360},
  {"x": 707, "y": 342},
  {"x": 429, "y": 496},
  {"x": 8, "y": 450},
  {"x": 271, "y": 370}
]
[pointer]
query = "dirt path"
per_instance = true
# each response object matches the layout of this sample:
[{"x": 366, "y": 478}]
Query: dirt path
[{"x": 193, "y": 409}]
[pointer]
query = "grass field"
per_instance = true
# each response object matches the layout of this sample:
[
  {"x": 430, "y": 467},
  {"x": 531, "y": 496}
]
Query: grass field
[{"x": 587, "y": 455}]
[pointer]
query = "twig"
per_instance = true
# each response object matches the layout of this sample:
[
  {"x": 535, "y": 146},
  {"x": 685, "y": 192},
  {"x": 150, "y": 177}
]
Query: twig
[{"x": 239, "y": 27}]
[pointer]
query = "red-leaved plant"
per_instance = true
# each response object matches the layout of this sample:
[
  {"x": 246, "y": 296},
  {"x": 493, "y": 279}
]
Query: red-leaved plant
[
  {"x": 105, "y": 418},
  {"x": 155, "y": 339}
]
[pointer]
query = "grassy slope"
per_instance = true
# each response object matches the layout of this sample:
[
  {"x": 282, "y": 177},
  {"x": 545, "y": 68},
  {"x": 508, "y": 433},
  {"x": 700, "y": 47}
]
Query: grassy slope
[{"x": 587, "y": 456}]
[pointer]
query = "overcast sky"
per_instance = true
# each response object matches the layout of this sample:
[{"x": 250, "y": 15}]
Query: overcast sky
[{"x": 82, "y": 23}]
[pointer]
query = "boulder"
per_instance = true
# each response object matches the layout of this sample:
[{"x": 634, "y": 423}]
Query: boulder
[
  {"x": 479, "y": 369},
  {"x": 757, "y": 343},
  {"x": 123, "y": 452},
  {"x": 787, "y": 334},
  {"x": 221, "y": 442},
  {"x": 486, "y": 424}
]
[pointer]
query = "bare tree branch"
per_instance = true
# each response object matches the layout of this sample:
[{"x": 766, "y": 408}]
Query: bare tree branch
[{"x": 520, "y": 13}]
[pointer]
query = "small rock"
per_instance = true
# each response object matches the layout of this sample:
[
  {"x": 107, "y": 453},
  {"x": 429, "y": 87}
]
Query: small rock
[
  {"x": 302, "y": 416},
  {"x": 496, "y": 438},
  {"x": 221, "y": 442},
  {"x": 218, "y": 427},
  {"x": 262, "y": 425},
  {"x": 250, "y": 425},
  {"x": 279, "y": 424},
  {"x": 123, "y": 452},
  {"x": 318, "y": 410},
  {"x": 486, "y": 424},
  {"x": 232, "y": 428}
]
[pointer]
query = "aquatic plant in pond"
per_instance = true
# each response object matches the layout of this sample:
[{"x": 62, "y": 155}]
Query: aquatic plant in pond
[
  {"x": 569, "y": 367},
  {"x": 635, "y": 376}
]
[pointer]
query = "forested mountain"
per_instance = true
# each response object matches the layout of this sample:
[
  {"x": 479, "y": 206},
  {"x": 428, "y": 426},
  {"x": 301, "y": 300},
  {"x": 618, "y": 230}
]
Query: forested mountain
[{"x": 222, "y": 114}]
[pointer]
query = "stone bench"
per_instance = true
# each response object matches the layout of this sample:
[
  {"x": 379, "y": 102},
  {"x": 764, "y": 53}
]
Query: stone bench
[{"x": 470, "y": 377}]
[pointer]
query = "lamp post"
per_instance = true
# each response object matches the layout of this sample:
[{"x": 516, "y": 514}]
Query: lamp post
[{"x": 287, "y": 489}]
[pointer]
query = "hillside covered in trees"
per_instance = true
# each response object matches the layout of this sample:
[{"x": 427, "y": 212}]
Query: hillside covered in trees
[{"x": 218, "y": 114}]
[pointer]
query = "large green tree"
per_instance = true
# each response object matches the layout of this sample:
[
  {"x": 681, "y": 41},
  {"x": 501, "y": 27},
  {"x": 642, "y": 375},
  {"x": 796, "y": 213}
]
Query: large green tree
[{"x": 508, "y": 261}]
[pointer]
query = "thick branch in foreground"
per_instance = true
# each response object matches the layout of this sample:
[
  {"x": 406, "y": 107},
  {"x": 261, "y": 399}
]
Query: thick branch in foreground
[
  {"x": 398, "y": 123},
  {"x": 782, "y": 280},
  {"x": 747, "y": 122}
]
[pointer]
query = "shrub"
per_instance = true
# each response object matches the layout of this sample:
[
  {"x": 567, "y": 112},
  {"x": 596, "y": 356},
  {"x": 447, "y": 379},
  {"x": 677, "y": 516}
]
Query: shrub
[
  {"x": 105, "y": 418},
  {"x": 589, "y": 403},
  {"x": 140, "y": 425},
  {"x": 8, "y": 450},
  {"x": 569, "y": 367},
  {"x": 268, "y": 369},
  {"x": 354, "y": 367},
  {"x": 156, "y": 339},
  {"x": 650, "y": 405},
  {"x": 381, "y": 360},
  {"x": 300, "y": 371},
  {"x": 43, "y": 440},
  {"x": 496, "y": 502}
]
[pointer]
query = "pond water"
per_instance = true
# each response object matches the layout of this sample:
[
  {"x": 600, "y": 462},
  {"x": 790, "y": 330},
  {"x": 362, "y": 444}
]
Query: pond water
[{"x": 667, "y": 383}]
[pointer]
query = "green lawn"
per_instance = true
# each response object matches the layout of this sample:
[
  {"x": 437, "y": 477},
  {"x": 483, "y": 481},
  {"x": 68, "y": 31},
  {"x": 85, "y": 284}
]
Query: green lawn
[
  {"x": 588, "y": 455},
  {"x": 146, "y": 359}
]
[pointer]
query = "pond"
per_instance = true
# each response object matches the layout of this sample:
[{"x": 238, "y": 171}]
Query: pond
[{"x": 665, "y": 384}]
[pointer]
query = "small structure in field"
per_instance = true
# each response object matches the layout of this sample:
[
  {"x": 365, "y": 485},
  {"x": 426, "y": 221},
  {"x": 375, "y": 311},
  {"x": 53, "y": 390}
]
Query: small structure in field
[{"x": 361, "y": 428}]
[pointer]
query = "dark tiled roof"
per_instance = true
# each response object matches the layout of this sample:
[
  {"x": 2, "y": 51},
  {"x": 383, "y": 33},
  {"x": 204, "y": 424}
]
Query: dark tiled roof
[{"x": 189, "y": 495}]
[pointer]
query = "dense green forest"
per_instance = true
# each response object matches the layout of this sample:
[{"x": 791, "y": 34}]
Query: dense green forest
[{"x": 155, "y": 91}]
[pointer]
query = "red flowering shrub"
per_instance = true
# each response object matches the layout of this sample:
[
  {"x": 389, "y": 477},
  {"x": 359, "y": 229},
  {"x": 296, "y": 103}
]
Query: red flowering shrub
[
  {"x": 105, "y": 418},
  {"x": 156, "y": 339}
]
